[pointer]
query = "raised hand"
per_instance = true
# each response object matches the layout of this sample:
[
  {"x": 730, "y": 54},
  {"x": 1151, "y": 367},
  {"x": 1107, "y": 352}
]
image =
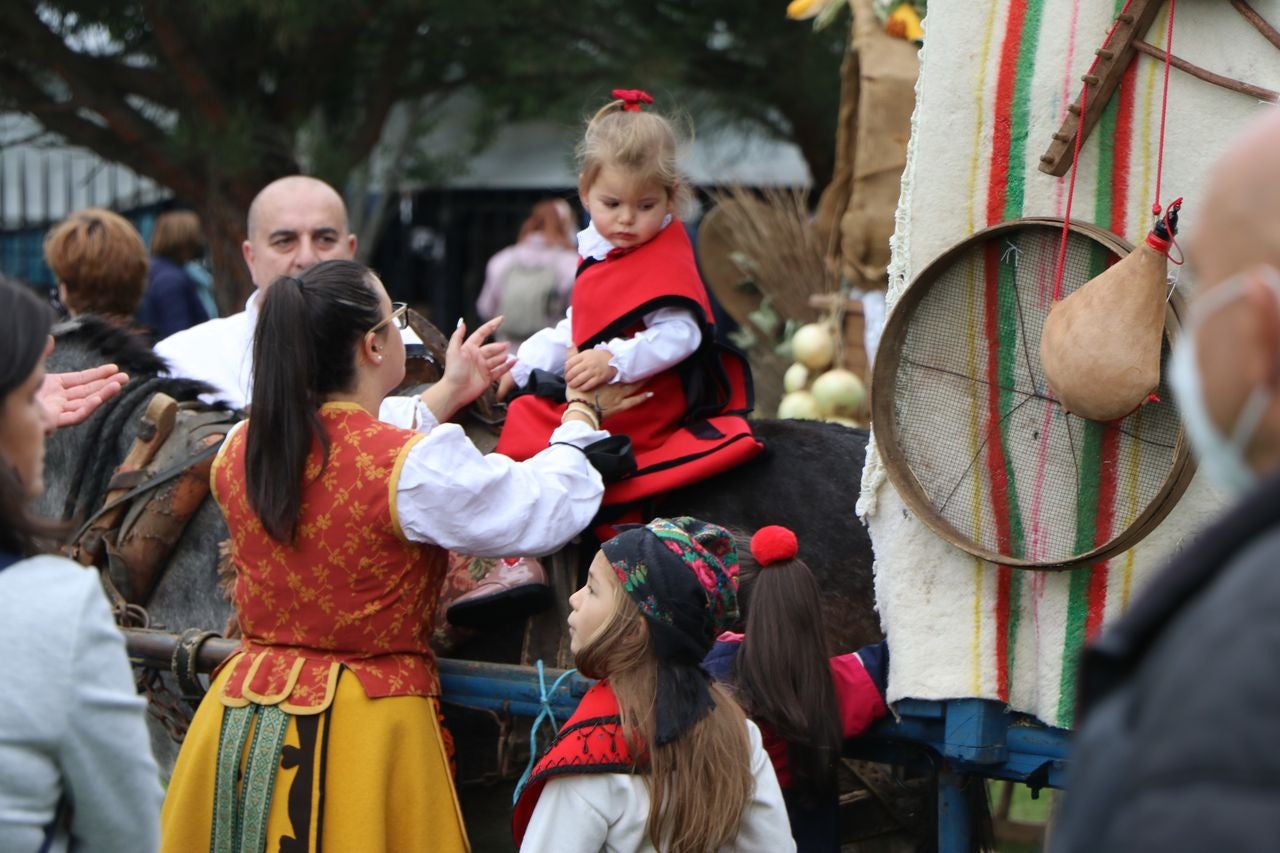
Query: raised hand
[
  {"x": 72, "y": 397},
  {"x": 470, "y": 366}
]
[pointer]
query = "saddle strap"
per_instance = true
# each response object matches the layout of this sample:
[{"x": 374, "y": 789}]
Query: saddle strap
[{"x": 86, "y": 545}]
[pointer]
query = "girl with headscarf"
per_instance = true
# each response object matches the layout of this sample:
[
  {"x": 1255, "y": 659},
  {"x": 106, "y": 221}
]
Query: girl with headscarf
[{"x": 657, "y": 756}]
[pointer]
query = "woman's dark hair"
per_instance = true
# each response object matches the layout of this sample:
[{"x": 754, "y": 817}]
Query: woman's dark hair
[
  {"x": 782, "y": 673},
  {"x": 303, "y": 351},
  {"x": 26, "y": 322}
]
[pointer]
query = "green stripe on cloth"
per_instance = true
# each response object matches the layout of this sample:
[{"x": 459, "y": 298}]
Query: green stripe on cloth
[
  {"x": 1020, "y": 110},
  {"x": 1090, "y": 462},
  {"x": 1086, "y": 498}
]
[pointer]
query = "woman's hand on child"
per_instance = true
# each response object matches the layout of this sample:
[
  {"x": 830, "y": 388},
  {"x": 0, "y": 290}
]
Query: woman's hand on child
[
  {"x": 589, "y": 370},
  {"x": 612, "y": 399},
  {"x": 470, "y": 366}
]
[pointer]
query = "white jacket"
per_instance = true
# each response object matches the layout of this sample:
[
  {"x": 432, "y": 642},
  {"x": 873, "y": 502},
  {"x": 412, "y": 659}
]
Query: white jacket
[
  {"x": 71, "y": 723},
  {"x": 591, "y": 812}
]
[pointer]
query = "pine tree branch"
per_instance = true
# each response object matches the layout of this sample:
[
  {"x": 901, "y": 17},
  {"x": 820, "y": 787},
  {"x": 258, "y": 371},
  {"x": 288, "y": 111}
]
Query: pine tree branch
[{"x": 180, "y": 54}]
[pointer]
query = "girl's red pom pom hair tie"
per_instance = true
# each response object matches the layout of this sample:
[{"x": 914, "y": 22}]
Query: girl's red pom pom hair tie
[
  {"x": 773, "y": 544},
  {"x": 632, "y": 98}
]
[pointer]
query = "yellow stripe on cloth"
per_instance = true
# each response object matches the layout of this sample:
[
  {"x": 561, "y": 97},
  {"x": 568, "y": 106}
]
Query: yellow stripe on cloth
[{"x": 371, "y": 775}]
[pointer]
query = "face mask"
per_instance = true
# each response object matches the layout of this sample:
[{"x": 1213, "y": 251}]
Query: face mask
[{"x": 1221, "y": 457}]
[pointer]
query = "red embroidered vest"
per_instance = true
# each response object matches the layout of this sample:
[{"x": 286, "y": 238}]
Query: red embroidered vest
[
  {"x": 590, "y": 742},
  {"x": 352, "y": 591}
]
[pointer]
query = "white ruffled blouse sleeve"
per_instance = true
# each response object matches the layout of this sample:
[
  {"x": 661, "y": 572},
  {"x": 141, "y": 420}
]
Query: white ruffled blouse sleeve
[
  {"x": 544, "y": 350},
  {"x": 670, "y": 336},
  {"x": 452, "y": 495}
]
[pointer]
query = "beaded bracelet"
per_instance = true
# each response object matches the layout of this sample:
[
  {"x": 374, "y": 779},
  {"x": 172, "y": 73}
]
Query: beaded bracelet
[
  {"x": 593, "y": 405},
  {"x": 581, "y": 407}
]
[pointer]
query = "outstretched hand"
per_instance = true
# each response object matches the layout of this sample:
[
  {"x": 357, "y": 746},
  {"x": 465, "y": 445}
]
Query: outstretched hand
[
  {"x": 72, "y": 397},
  {"x": 470, "y": 367}
]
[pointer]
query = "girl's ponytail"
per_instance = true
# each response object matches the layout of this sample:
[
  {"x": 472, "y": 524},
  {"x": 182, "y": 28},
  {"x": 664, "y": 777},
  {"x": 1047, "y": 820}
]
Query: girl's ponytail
[{"x": 782, "y": 674}]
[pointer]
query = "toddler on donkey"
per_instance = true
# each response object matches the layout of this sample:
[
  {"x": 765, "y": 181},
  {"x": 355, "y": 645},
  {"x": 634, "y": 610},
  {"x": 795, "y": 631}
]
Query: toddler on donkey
[{"x": 639, "y": 312}]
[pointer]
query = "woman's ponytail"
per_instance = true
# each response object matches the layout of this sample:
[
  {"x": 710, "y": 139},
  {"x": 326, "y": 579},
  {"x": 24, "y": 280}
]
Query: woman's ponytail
[{"x": 303, "y": 350}]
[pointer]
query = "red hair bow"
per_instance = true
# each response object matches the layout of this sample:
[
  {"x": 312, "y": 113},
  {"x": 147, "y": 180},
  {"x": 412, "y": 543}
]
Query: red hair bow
[
  {"x": 633, "y": 98},
  {"x": 773, "y": 544}
]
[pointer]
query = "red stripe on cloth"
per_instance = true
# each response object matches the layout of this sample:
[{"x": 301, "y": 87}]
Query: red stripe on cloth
[
  {"x": 1122, "y": 147},
  {"x": 1004, "y": 599},
  {"x": 1002, "y": 119},
  {"x": 996, "y": 469},
  {"x": 1108, "y": 471}
]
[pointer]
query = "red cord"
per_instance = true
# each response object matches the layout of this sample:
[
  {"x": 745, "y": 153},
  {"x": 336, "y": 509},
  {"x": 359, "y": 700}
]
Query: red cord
[
  {"x": 1164, "y": 109},
  {"x": 1075, "y": 160}
]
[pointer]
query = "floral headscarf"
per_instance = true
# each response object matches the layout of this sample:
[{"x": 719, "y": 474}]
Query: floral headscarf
[{"x": 683, "y": 574}]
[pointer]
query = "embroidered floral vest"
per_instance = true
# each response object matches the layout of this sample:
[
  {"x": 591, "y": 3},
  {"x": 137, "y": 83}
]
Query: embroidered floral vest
[{"x": 352, "y": 591}]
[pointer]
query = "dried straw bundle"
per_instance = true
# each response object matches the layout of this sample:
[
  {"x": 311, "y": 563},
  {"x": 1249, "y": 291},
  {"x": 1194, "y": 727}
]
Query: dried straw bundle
[
  {"x": 773, "y": 228},
  {"x": 758, "y": 245}
]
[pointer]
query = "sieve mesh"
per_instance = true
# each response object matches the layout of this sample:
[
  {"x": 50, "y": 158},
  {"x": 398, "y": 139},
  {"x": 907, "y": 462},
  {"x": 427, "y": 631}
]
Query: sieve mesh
[{"x": 976, "y": 426}]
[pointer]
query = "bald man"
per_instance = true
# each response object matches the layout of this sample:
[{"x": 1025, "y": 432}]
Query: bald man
[
  {"x": 294, "y": 223},
  {"x": 1179, "y": 739}
]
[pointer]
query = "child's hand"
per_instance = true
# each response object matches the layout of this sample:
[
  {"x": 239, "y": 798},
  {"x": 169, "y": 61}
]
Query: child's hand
[
  {"x": 590, "y": 369},
  {"x": 506, "y": 385}
]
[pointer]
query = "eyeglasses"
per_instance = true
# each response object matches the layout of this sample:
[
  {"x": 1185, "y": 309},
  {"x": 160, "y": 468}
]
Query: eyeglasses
[{"x": 397, "y": 316}]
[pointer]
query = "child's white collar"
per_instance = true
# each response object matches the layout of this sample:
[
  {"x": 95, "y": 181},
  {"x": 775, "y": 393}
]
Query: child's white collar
[{"x": 592, "y": 244}]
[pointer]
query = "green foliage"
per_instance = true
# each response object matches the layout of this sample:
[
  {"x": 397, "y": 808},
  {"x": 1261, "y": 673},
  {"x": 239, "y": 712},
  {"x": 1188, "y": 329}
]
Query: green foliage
[{"x": 240, "y": 91}]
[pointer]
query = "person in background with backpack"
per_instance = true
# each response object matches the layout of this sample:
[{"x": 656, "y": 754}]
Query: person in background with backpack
[{"x": 529, "y": 283}]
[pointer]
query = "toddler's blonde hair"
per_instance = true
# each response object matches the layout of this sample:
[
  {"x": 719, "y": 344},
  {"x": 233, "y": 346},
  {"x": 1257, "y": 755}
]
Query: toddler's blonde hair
[{"x": 643, "y": 143}]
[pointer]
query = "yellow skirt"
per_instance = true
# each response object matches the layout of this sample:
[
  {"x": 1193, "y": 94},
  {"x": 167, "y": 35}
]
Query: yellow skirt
[{"x": 366, "y": 774}]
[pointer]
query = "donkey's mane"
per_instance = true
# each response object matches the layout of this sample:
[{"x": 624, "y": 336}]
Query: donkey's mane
[
  {"x": 100, "y": 341},
  {"x": 128, "y": 349}
]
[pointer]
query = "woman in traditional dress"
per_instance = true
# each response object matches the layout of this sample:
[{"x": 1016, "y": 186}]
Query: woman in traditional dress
[{"x": 322, "y": 733}]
